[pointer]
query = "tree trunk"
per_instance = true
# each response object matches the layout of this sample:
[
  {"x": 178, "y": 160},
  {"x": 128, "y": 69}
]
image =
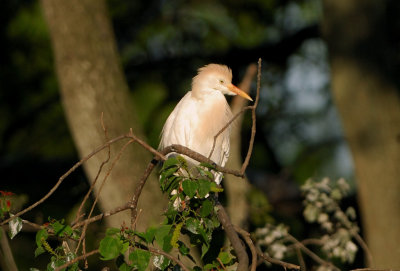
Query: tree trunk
[
  {"x": 367, "y": 98},
  {"x": 92, "y": 82}
]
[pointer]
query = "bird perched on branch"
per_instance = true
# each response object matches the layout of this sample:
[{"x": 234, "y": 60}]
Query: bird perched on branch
[{"x": 202, "y": 113}]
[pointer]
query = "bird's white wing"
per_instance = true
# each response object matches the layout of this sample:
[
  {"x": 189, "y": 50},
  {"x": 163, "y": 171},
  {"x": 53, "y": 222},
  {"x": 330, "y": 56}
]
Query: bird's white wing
[{"x": 179, "y": 123}]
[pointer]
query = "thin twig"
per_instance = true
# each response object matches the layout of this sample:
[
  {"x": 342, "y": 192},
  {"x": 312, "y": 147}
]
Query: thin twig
[
  {"x": 269, "y": 259},
  {"x": 77, "y": 259},
  {"x": 100, "y": 188},
  {"x": 172, "y": 258},
  {"x": 78, "y": 214},
  {"x": 311, "y": 254},
  {"x": 253, "y": 117},
  {"x": 300, "y": 258},
  {"x": 226, "y": 126},
  {"x": 62, "y": 178},
  {"x": 361, "y": 242},
  {"x": 98, "y": 217},
  {"x": 250, "y": 244}
]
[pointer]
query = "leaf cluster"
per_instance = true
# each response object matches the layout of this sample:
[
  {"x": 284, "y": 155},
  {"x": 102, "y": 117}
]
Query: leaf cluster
[
  {"x": 61, "y": 254},
  {"x": 191, "y": 212}
]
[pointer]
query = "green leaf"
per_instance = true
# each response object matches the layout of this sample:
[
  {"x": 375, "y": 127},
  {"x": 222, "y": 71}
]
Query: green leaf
[
  {"x": 161, "y": 233},
  {"x": 214, "y": 188},
  {"x": 224, "y": 257},
  {"x": 204, "y": 249},
  {"x": 206, "y": 235},
  {"x": 33, "y": 269},
  {"x": 206, "y": 208},
  {"x": 41, "y": 235},
  {"x": 39, "y": 250},
  {"x": 55, "y": 263},
  {"x": 189, "y": 187},
  {"x": 209, "y": 266},
  {"x": 61, "y": 229},
  {"x": 204, "y": 188},
  {"x": 147, "y": 236},
  {"x": 110, "y": 248},
  {"x": 140, "y": 259},
  {"x": 166, "y": 178},
  {"x": 124, "y": 267},
  {"x": 183, "y": 249},
  {"x": 167, "y": 247},
  {"x": 15, "y": 226},
  {"x": 161, "y": 262},
  {"x": 150, "y": 233},
  {"x": 171, "y": 161},
  {"x": 125, "y": 246},
  {"x": 172, "y": 184},
  {"x": 192, "y": 225},
  {"x": 112, "y": 231}
]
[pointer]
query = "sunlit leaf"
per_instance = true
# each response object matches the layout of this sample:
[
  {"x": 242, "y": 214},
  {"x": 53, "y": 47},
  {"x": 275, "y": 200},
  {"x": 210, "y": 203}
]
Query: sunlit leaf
[
  {"x": 15, "y": 226},
  {"x": 192, "y": 225},
  {"x": 161, "y": 233},
  {"x": 224, "y": 257},
  {"x": 161, "y": 262},
  {"x": 110, "y": 248},
  {"x": 140, "y": 259},
  {"x": 41, "y": 236},
  {"x": 61, "y": 230},
  {"x": 124, "y": 267},
  {"x": 112, "y": 231}
]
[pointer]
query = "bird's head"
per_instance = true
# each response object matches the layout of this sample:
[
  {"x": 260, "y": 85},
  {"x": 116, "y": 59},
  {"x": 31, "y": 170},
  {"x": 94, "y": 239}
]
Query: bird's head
[{"x": 218, "y": 78}]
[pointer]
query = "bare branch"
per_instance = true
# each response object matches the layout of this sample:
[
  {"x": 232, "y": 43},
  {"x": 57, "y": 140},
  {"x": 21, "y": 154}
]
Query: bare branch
[
  {"x": 77, "y": 259},
  {"x": 361, "y": 242},
  {"x": 249, "y": 242},
  {"x": 311, "y": 254},
  {"x": 172, "y": 258},
  {"x": 253, "y": 117},
  {"x": 78, "y": 214},
  {"x": 277, "y": 262},
  {"x": 243, "y": 259},
  {"x": 62, "y": 178},
  {"x": 99, "y": 191}
]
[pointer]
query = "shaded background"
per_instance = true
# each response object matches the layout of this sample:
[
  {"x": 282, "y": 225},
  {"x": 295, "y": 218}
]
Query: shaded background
[{"x": 161, "y": 45}]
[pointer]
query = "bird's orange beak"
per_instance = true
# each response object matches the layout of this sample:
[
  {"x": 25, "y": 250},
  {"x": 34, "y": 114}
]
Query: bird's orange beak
[{"x": 239, "y": 92}]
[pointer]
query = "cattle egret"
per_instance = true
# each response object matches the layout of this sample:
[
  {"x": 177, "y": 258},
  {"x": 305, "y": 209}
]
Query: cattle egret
[{"x": 202, "y": 113}]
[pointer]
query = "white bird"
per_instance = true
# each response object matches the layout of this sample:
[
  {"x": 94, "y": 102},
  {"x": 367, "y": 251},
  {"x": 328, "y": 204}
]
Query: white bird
[{"x": 202, "y": 113}]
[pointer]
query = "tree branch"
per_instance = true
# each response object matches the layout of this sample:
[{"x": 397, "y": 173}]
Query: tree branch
[{"x": 243, "y": 259}]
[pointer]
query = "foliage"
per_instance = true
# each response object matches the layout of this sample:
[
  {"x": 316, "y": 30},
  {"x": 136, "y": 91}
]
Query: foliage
[
  {"x": 190, "y": 221},
  {"x": 322, "y": 206},
  {"x": 190, "y": 212}
]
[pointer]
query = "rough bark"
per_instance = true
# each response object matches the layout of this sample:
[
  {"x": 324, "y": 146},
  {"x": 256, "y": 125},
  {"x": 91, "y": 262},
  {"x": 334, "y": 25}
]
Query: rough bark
[
  {"x": 91, "y": 82},
  {"x": 367, "y": 98}
]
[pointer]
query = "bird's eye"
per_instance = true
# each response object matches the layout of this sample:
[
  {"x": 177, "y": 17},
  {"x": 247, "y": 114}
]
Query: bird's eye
[{"x": 221, "y": 81}]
